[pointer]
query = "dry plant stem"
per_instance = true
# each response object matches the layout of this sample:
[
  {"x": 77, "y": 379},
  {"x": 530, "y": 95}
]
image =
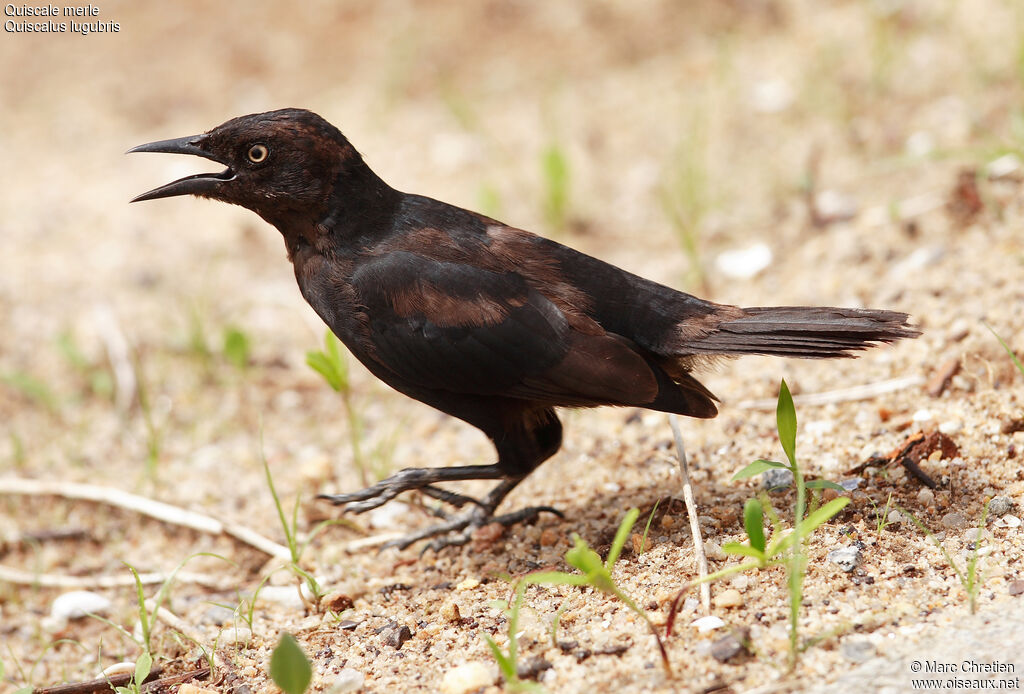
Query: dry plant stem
[
  {"x": 30, "y": 578},
  {"x": 179, "y": 625},
  {"x": 148, "y": 507},
  {"x": 97, "y": 685},
  {"x": 691, "y": 513},
  {"x": 862, "y": 392},
  {"x": 118, "y": 353}
]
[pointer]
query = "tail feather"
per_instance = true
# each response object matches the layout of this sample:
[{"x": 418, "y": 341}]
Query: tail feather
[{"x": 802, "y": 331}]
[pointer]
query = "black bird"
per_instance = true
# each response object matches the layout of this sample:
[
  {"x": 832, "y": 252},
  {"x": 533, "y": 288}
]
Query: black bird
[{"x": 485, "y": 322}]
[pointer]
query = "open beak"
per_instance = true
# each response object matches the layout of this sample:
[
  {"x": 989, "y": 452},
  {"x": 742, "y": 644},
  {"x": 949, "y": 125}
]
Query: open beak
[{"x": 205, "y": 184}]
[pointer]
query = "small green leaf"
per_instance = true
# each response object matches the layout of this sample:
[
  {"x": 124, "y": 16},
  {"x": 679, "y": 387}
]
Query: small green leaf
[
  {"x": 143, "y": 666},
  {"x": 584, "y": 558},
  {"x": 753, "y": 522},
  {"x": 757, "y": 467},
  {"x": 319, "y": 362},
  {"x": 824, "y": 484},
  {"x": 785, "y": 417},
  {"x": 620, "y": 537},
  {"x": 289, "y": 667},
  {"x": 237, "y": 347},
  {"x": 823, "y": 514},
  {"x": 745, "y": 550}
]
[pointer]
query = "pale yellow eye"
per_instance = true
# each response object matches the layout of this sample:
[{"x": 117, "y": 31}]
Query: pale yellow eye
[{"x": 258, "y": 153}]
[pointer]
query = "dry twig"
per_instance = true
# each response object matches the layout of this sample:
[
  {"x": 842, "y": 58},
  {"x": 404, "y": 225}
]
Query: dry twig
[
  {"x": 691, "y": 513},
  {"x": 148, "y": 507}
]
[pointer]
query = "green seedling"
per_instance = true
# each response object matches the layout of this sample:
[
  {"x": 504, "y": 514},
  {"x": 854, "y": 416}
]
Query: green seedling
[
  {"x": 782, "y": 549},
  {"x": 289, "y": 666},
  {"x": 333, "y": 367},
  {"x": 143, "y": 665},
  {"x": 970, "y": 577},
  {"x": 1013, "y": 356},
  {"x": 237, "y": 347},
  {"x": 598, "y": 575},
  {"x": 98, "y": 378},
  {"x": 882, "y": 519},
  {"x": 32, "y": 388},
  {"x": 647, "y": 528},
  {"x": 556, "y": 174},
  {"x": 508, "y": 661}
]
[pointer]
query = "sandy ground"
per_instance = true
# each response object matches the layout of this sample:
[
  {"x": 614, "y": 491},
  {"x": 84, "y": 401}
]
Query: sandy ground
[{"x": 716, "y": 122}]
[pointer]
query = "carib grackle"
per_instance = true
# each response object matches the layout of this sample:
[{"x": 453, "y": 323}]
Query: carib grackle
[{"x": 485, "y": 322}]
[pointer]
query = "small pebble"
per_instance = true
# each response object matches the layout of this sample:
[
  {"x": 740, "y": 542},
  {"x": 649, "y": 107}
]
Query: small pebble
[
  {"x": 707, "y": 623},
  {"x": 450, "y": 611},
  {"x": 396, "y": 636},
  {"x": 975, "y": 534},
  {"x": 1000, "y": 505},
  {"x": 640, "y": 543},
  {"x": 189, "y": 688},
  {"x": 548, "y": 537},
  {"x": 894, "y": 517},
  {"x": 468, "y": 584},
  {"x": 776, "y": 479},
  {"x": 729, "y": 646},
  {"x": 926, "y": 496},
  {"x": 728, "y": 598},
  {"x": 857, "y": 650},
  {"x": 235, "y": 636},
  {"x": 1008, "y": 521},
  {"x": 744, "y": 263},
  {"x": 337, "y": 601},
  {"x": 851, "y": 484},
  {"x": 78, "y": 604},
  {"x": 1016, "y": 587},
  {"x": 465, "y": 678},
  {"x": 953, "y": 520},
  {"x": 950, "y": 427},
  {"x": 846, "y": 558},
  {"x": 713, "y": 550},
  {"x": 348, "y": 680},
  {"x": 922, "y": 415}
]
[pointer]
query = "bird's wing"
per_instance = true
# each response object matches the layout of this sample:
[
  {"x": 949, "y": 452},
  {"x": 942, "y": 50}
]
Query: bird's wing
[{"x": 456, "y": 327}]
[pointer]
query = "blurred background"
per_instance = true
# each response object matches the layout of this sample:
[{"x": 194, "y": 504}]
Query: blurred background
[{"x": 752, "y": 151}]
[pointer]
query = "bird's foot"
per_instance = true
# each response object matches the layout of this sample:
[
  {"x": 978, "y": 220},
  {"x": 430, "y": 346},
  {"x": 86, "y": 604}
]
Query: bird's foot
[
  {"x": 456, "y": 531},
  {"x": 415, "y": 478}
]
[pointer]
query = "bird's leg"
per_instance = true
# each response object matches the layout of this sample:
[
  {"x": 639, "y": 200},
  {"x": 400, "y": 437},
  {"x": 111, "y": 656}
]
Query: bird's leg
[
  {"x": 458, "y": 530},
  {"x": 409, "y": 479}
]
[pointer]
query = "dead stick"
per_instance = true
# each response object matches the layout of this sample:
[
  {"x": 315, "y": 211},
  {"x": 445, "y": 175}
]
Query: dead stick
[
  {"x": 97, "y": 685},
  {"x": 171, "y": 680},
  {"x": 861, "y": 392},
  {"x": 9, "y": 574},
  {"x": 148, "y": 507},
  {"x": 691, "y": 513}
]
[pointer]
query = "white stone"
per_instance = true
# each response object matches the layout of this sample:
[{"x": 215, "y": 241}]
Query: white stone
[
  {"x": 348, "y": 680},
  {"x": 77, "y": 604},
  {"x": 708, "y": 623},
  {"x": 467, "y": 677},
  {"x": 744, "y": 263}
]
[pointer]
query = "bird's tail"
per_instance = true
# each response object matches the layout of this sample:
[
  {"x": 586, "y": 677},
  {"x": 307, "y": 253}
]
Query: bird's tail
[{"x": 802, "y": 331}]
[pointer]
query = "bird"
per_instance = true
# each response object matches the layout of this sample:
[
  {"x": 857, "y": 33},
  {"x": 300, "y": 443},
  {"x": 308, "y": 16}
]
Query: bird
[{"x": 488, "y": 323}]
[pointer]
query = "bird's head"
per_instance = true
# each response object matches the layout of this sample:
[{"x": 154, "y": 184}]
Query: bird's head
[{"x": 280, "y": 164}]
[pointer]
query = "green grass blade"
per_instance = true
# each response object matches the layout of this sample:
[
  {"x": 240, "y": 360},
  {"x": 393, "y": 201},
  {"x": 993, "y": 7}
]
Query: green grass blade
[
  {"x": 785, "y": 416},
  {"x": 757, "y": 467},
  {"x": 1013, "y": 356},
  {"x": 824, "y": 484},
  {"x": 620, "y": 537},
  {"x": 753, "y": 523}
]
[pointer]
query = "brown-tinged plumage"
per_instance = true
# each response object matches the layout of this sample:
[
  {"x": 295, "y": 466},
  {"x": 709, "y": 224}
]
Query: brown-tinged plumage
[{"x": 490, "y": 324}]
